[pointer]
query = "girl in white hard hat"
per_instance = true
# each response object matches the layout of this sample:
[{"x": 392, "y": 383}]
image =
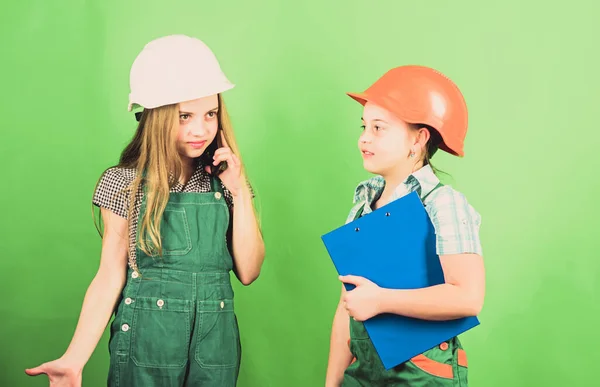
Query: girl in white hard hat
[{"x": 178, "y": 217}]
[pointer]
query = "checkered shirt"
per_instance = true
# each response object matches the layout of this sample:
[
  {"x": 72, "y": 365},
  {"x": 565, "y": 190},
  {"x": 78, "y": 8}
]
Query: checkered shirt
[
  {"x": 456, "y": 222},
  {"x": 111, "y": 194}
]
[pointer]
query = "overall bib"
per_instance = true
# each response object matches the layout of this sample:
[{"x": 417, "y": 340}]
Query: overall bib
[
  {"x": 175, "y": 324},
  {"x": 442, "y": 366}
]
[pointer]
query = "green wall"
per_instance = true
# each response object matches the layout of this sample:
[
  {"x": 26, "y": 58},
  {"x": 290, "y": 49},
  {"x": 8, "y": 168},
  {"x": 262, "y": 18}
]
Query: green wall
[{"x": 529, "y": 71}]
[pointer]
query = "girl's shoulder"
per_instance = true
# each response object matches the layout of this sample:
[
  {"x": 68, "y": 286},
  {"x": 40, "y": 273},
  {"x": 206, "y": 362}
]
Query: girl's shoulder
[
  {"x": 111, "y": 190},
  {"x": 455, "y": 220},
  {"x": 448, "y": 199},
  {"x": 118, "y": 176}
]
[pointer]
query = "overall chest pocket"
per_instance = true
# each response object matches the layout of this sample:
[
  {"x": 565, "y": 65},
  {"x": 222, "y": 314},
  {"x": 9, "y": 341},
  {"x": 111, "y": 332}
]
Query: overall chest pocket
[
  {"x": 161, "y": 332},
  {"x": 175, "y": 232}
]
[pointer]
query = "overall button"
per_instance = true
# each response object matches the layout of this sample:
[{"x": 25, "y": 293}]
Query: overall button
[
  {"x": 217, "y": 195},
  {"x": 222, "y": 304},
  {"x": 444, "y": 346},
  {"x": 128, "y": 301},
  {"x": 160, "y": 303},
  {"x": 125, "y": 327},
  {"x": 134, "y": 275}
]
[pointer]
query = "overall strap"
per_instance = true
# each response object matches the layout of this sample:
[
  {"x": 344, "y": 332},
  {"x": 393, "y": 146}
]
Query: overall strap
[
  {"x": 359, "y": 212},
  {"x": 429, "y": 193},
  {"x": 215, "y": 184}
]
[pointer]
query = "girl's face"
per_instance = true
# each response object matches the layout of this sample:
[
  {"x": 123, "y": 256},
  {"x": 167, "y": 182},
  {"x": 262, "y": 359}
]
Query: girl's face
[
  {"x": 386, "y": 142},
  {"x": 198, "y": 124}
]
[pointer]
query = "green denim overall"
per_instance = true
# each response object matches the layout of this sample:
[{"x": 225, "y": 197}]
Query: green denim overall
[
  {"x": 175, "y": 323},
  {"x": 444, "y": 365}
]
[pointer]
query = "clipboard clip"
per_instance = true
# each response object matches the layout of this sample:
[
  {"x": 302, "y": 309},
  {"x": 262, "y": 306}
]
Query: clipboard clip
[{"x": 357, "y": 229}]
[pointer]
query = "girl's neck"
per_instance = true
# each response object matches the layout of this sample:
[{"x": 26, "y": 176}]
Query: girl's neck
[
  {"x": 189, "y": 166},
  {"x": 393, "y": 179}
]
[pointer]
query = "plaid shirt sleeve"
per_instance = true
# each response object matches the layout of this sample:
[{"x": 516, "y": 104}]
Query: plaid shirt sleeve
[
  {"x": 111, "y": 192},
  {"x": 456, "y": 223}
]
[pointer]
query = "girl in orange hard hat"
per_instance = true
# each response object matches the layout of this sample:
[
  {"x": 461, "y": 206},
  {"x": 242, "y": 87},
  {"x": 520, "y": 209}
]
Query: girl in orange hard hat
[{"x": 409, "y": 114}]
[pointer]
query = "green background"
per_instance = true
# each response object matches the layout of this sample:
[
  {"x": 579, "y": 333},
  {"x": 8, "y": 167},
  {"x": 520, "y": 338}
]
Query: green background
[{"x": 529, "y": 71}]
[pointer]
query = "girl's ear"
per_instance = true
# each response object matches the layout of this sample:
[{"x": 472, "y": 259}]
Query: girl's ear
[{"x": 422, "y": 137}]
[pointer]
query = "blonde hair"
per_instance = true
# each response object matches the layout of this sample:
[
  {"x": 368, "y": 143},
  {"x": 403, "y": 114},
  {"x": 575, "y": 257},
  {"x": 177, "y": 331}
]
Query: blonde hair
[{"x": 153, "y": 154}]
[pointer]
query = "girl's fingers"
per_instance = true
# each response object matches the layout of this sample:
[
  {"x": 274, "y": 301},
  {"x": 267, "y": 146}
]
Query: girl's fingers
[
  {"x": 236, "y": 160},
  {"x": 224, "y": 157},
  {"x": 218, "y": 158},
  {"x": 223, "y": 140},
  {"x": 222, "y": 150},
  {"x": 35, "y": 371}
]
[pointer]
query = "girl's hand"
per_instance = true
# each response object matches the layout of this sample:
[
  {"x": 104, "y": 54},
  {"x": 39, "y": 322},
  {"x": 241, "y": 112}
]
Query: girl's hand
[
  {"x": 363, "y": 301},
  {"x": 59, "y": 372},
  {"x": 232, "y": 176}
]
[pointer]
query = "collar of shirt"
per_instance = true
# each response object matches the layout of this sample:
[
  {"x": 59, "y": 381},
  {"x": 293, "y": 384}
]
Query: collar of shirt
[
  {"x": 422, "y": 180},
  {"x": 198, "y": 174}
]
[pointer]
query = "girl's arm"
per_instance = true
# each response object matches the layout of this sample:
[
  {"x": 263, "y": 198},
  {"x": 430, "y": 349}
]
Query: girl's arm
[
  {"x": 247, "y": 242},
  {"x": 247, "y": 245},
  {"x": 457, "y": 238},
  {"x": 460, "y": 296},
  {"x": 99, "y": 302},
  {"x": 339, "y": 352}
]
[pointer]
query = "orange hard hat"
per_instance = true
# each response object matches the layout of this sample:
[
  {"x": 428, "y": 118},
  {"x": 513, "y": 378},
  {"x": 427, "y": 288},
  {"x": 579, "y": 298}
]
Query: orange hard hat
[{"x": 422, "y": 95}]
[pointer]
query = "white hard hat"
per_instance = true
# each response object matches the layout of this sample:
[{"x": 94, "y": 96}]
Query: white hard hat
[{"x": 173, "y": 69}]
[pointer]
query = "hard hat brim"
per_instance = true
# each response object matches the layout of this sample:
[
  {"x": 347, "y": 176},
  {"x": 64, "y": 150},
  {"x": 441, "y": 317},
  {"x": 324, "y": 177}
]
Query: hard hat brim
[{"x": 135, "y": 102}]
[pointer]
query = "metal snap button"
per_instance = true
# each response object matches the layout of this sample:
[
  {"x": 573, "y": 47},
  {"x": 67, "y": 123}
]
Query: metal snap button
[
  {"x": 160, "y": 303},
  {"x": 128, "y": 301},
  {"x": 222, "y": 304},
  {"x": 134, "y": 274},
  {"x": 125, "y": 327},
  {"x": 217, "y": 195}
]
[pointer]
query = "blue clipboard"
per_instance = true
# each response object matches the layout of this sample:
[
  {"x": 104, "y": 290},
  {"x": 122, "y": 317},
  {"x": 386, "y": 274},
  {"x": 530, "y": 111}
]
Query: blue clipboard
[{"x": 395, "y": 247}]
